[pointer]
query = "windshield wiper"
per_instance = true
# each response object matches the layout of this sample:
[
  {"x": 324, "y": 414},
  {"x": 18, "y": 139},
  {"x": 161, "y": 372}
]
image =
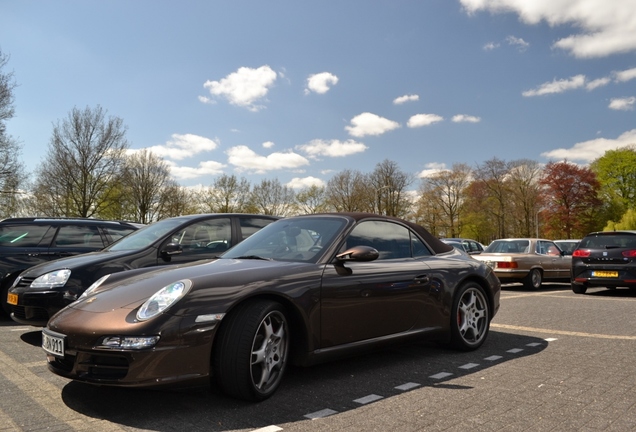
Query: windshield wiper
[{"x": 255, "y": 257}]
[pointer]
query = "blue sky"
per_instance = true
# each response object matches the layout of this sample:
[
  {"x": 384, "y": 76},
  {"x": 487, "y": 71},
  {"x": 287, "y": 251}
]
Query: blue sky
[{"x": 299, "y": 90}]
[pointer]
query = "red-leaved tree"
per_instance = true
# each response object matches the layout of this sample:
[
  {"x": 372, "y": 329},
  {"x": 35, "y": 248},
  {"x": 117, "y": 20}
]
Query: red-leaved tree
[{"x": 570, "y": 201}]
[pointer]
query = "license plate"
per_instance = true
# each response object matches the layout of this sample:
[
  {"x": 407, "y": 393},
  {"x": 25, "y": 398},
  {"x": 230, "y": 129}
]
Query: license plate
[
  {"x": 607, "y": 274},
  {"x": 12, "y": 299},
  {"x": 53, "y": 344}
]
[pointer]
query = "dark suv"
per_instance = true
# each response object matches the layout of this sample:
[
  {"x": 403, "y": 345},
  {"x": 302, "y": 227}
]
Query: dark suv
[
  {"x": 42, "y": 290},
  {"x": 605, "y": 259},
  {"x": 25, "y": 242}
]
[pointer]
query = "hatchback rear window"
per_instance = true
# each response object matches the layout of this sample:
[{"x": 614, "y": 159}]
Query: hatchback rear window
[
  {"x": 608, "y": 241},
  {"x": 22, "y": 235}
]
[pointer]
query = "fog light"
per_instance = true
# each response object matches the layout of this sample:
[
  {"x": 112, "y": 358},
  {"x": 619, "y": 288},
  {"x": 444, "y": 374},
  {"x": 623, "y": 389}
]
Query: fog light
[{"x": 128, "y": 342}]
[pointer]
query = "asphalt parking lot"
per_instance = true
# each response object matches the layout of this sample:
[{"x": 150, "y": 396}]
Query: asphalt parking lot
[{"x": 554, "y": 361}]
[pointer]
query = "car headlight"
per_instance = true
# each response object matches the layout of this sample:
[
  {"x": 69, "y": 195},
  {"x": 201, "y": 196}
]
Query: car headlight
[
  {"x": 93, "y": 287},
  {"x": 54, "y": 279},
  {"x": 163, "y": 299}
]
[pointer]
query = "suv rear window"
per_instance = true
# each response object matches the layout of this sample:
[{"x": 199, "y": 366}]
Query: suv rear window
[{"x": 22, "y": 235}]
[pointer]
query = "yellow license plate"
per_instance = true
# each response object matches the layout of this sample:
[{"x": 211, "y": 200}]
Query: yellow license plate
[
  {"x": 12, "y": 299},
  {"x": 607, "y": 274}
]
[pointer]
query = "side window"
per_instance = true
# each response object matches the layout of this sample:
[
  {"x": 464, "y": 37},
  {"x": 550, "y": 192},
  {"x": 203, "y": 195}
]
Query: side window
[
  {"x": 22, "y": 235},
  {"x": 73, "y": 236},
  {"x": 206, "y": 238},
  {"x": 117, "y": 231},
  {"x": 390, "y": 239},
  {"x": 249, "y": 225},
  {"x": 418, "y": 247}
]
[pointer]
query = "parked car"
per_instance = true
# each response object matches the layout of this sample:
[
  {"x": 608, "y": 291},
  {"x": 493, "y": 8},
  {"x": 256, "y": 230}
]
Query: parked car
[
  {"x": 605, "y": 259},
  {"x": 472, "y": 247},
  {"x": 529, "y": 261},
  {"x": 44, "y": 289},
  {"x": 567, "y": 246},
  {"x": 27, "y": 241},
  {"x": 302, "y": 290}
]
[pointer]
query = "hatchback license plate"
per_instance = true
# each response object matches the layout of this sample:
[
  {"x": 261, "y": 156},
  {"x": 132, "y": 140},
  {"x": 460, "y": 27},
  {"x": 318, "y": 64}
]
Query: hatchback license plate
[
  {"x": 12, "y": 299},
  {"x": 607, "y": 274},
  {"x": 53, "y": 344}
]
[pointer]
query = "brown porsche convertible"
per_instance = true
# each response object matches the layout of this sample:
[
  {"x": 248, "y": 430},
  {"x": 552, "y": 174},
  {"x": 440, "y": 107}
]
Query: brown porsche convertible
[{"x": 301, "y": 290}]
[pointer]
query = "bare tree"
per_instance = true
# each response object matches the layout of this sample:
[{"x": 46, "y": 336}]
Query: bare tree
[
  {"x": 312, "y": 199},
  {"x": 177, "y": 201},
  {"x": 12, "y": 174},
  {"x": 493, "y": 175},
  {"x": 446, "y": 192},
  {"x": 228, "y": 194},
  {"x": 347, "y": 191},
  {"x": 145, "y": 177},
  {"x": 270, "y": 197},
  {"x": 389, "y": 192},
  {"x": 526, "y": 202},
  {"x": 84, "y": 163}
]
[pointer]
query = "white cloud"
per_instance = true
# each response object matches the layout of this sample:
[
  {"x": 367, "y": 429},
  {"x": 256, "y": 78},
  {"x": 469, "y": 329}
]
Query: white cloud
[
  {"x": 557, "y": 86},
  {"x": 518, "y": 42},
  {"x": 321, "y": 83},
  {"x": 331, "y": 148},
  {"x": 432, "y": 169},
  {"x": 300, "y": 183},
  {"x": 491, "y": 46},
  {"x": 244, "y": 159},
  {"x": 268, "y": 144},
  {"x": 600, "y": 82},
  {"x": 625, "y": 75},
  {"x": 206, "y": 168},
  {"x": 244, "y": 87},
  {"x": 419, "y": 120},
  {"x": 406, "y": 98},
  {"x": 606, "y": 27},
  {"x": 589, "y": 150},
  {"x": 463, "y": 118},
  {"x": 183, "y": 146},
  {"x": 623, "y": 104},
  {"x": 370, "y": 124}
]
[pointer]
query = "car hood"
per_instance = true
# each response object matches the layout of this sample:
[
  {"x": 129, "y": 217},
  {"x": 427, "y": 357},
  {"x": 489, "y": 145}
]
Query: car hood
[
  {"x": 221, "y": 278},
  {"x": 75, "y": 262}
]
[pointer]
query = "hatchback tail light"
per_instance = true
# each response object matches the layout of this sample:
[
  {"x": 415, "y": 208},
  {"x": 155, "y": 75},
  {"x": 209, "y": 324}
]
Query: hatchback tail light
[
  {"x": 581, "y": 253},
  {"x": 507, "y": 265},
  {"x": 630, "y": 253}
]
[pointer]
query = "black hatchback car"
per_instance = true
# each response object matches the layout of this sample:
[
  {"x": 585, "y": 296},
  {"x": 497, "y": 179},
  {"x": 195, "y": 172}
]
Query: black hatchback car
[
  {"x": 605, "y": 259},
  {"x": 44, "y": 289},
  {"x": 28, "y": 241}
]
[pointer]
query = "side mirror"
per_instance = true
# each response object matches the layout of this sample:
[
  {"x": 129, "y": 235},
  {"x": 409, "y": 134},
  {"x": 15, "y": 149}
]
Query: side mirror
[
  {"x": 172, "y": 249},
  {"x": 359, "y": 253}
]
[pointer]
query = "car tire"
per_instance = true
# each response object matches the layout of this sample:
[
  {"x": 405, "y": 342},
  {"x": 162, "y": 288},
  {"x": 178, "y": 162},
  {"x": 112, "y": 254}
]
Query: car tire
[
  {"x": 533, "y": 280},
  {"x": 251, "y": 350},
  {"x": 579, "y": 289},
  {"x": 470, "y": 318}
]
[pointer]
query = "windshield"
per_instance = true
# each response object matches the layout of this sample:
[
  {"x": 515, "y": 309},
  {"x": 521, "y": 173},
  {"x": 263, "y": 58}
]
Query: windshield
[
  {"x": 146, "y": 236},
  {"x": 508, "y": 246},
  {"x": 300, "y": 239}
]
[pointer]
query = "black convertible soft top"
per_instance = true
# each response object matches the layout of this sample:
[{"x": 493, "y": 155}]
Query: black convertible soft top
[{"x": 433, "y": 242}]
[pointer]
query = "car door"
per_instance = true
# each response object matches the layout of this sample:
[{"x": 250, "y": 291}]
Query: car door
[
  {"x": 555, "y": 265},
  {"x": 365, "y": 300}
]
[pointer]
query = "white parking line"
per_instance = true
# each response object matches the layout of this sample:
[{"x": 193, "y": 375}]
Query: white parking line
[{"x": 561, "y": 332}]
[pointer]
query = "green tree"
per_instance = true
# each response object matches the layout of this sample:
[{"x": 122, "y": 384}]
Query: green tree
[
  {"x": 616, "y": 173},
  {"x": 311, "y": 199}
]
